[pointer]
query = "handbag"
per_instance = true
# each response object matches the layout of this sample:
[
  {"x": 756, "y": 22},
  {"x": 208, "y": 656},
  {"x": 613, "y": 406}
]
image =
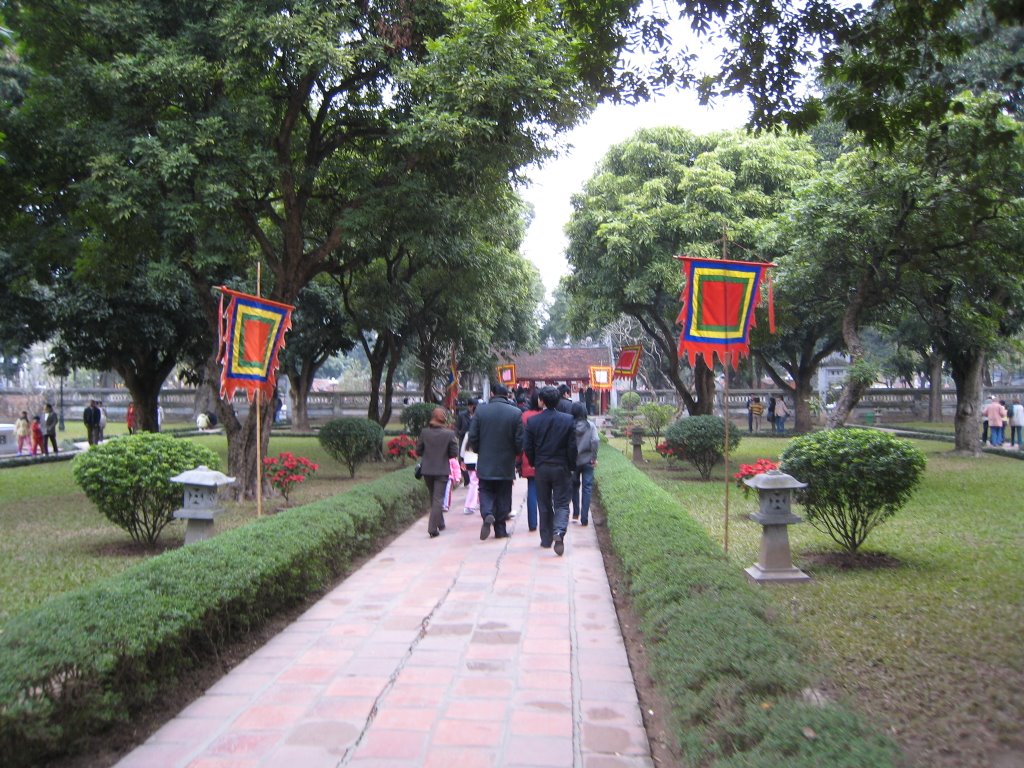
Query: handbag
[{"x": 419, "y": 470}]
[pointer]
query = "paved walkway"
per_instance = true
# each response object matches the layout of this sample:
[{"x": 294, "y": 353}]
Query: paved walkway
[{"x": 447, "y": 652}]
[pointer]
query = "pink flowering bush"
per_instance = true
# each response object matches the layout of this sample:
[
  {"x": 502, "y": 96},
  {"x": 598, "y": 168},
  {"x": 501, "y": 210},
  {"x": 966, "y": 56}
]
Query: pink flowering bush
[
  {"x": 668, "y": 451},
  {"x": 286, "y": 470}
]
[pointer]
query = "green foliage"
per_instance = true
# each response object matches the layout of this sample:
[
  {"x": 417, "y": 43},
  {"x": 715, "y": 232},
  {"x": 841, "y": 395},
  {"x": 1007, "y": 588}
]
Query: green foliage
[
  {"x": 701, "y": 441},
  {"x": 91, "y": 658},
  {"x": 128, "y": 479},
  {"x": 630, "y": 401},
  {"x": 732, "y": 673},
  {"x": 416, "y": 416},
  {"x": 856, "y": 480},
  {"x": 352, "y": 441},
  {"x": 655, "y": 418}
]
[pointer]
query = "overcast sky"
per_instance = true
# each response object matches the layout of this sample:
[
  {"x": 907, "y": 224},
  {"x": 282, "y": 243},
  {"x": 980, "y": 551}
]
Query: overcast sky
[{"x": 559, "y": 179}]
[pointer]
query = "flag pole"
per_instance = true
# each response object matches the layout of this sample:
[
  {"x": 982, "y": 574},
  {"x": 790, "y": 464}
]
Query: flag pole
[
  {"x": 725, "y": 398},
  {"x": 259, "y": 436}
]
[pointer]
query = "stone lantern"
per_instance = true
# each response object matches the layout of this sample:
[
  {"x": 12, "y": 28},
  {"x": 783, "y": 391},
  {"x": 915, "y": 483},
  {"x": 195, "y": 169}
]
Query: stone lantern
[
  {"x": 775, "y": 497},
  {"x": 637, "y": 441},
  {"x": 200, "y": 506}
]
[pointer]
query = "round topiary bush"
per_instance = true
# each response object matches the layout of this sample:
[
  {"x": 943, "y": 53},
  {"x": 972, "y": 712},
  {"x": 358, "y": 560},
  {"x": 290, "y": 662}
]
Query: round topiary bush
[
  {"x": 700, "y": 440},
  {"x": 856, "y": 480},
  {"x": 129, "y": 479},
  {"x": 352, "y": 441},
  {"x": 630, "y": 401},
  {"x": 416, "y": 416}
]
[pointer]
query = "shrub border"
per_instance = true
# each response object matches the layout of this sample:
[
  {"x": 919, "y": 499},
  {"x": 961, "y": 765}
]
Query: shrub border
[
  {"x": 734, "y": 675},
  {"x": 84, "y": 661}
]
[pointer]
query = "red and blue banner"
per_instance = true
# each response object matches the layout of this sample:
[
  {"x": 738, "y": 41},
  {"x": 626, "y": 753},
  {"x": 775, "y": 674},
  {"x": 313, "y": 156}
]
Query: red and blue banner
[
  {"x": 252, "y": 333},
  {"x": 718, "y": 308},
  {"x": 628, "y": 364}
]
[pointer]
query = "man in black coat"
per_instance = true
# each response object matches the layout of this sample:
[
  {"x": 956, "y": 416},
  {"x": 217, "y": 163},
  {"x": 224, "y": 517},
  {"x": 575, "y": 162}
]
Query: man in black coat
[
  {"x": 496, "y": 434},
  {"x": 91, "y": 418},
  {"x": 551, "y": 449}
]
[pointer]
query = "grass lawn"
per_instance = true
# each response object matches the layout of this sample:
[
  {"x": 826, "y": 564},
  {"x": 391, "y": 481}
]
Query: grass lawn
[
  {"x": 55, "y": 540},
  {"x": 923, "y": 631}
]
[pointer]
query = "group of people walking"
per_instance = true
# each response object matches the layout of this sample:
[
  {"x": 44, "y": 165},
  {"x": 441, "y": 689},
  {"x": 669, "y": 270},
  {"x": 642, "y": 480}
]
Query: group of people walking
[
  {"x": 37, "y": 435},
  {"x": 552, "y": 444}
]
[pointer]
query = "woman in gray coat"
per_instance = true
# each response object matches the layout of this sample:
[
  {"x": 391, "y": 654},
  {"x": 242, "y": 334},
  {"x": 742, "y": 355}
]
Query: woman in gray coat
[
  {"x": 587, "y": 442},
  {"x": 437, "y": 444}
]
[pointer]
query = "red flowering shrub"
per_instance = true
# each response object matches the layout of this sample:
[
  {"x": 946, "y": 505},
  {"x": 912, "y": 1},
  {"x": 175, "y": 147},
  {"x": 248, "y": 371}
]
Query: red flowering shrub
[
  {"x": 751, "y": 470},
  {"x": 286, "y": 470},
  {"x": 668, "y": 451},
  {"x": 401, "y": 447}
]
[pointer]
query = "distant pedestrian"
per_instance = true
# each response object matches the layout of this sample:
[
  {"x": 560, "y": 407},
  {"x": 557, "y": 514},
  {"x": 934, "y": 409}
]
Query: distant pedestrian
[
  {"x": 436, "y": 448},
  {"x": 103, "y": 421},
  {"x": 38, "y": 443},
  {"x": 756, "y": 411},
  {"x": 781, "y": 414},
  {"x": 91, "y": 418},
  {"x": 496, "y": 435},
  {"x": 49, "y": 429},
  {"x": 526, "y": 468},
  {"x": 23, "y": 432},
  {"x": 130, "y": 418},
  {"x": 771, "y": 413},
  {"x": 1016, "y": 422},
  {"x": 587, "y": 443},
  {"x": 565, "y": 399},
  {"x": 551, "y": 448},
  {"x": 996, "y": 413}
]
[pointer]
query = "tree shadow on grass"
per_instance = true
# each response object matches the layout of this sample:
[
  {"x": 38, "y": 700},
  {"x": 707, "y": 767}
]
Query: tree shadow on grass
[{"x": 844, "y": 561}]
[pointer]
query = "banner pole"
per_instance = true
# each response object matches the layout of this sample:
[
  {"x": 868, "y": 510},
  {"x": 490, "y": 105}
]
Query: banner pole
[
  {"x": 259, "y": 423},
  {"x": 725, "y": 408}
]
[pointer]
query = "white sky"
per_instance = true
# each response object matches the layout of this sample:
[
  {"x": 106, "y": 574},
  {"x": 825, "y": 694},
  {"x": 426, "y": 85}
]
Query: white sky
[{"x": 560, "y": 178}]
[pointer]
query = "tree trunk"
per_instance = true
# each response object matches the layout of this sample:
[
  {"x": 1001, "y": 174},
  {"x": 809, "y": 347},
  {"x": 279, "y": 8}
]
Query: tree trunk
[
  {"x": 301, "y": 384},
  {"x": 967, "y": 375},
  {"x": 803, "y": 420},
  {"x": 145, "y": 391},
  {"x": 704, "y": 388},
  {"x": 854, "y": 387},
  {"x": 934, "y": 387}
]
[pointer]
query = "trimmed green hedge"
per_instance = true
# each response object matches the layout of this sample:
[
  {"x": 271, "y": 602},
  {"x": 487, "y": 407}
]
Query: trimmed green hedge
[
  {"x": 734, "y": 676},
  {"x": 86, "y": 660}
]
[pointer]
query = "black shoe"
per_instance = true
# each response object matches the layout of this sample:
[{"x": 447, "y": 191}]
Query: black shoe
[
  {"x": 485, "y": 529},
  {"x": 440, "y": 527},
  {"x": 434, "y": 534},
  {"x": 575, "y": 515},
  {"x": 559, "y": 544},
  {"x": 546, "y": 546},
  {"x": 533, "y": 529},
  {"x": 501, "y": 534},
  {"x": 585, "y": 523}
]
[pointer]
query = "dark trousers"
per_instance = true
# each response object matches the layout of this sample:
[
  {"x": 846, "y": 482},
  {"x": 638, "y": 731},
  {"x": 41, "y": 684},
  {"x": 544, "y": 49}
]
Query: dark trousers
[
  {"x": 554, "y": 488},
  {"x": 436, "y": 485},
  {"x": 47, "y": 439},
  {"x": 496, "y": 500}
]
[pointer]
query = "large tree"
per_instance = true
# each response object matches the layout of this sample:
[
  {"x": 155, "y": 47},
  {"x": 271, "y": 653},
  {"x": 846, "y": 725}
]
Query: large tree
[
  {"x": 295, "y": 121},
  {"x": 935, "y": 227},
  {"x": 663, "y": 193}
]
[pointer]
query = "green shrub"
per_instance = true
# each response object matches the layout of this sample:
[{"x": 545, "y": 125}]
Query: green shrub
[
  {"x": 416, "y": 416},
  {"x": 655, "y": 418},
  {"x": 731, "y": 671},
  {"x": 89, "y": 659},
  {"x": 630, "y": 401},
  {"x": 128, "y": 479},
  {"x": 352, "y": 441},
  {"x": 700, "y": 440},
  {"x": 856, "y": 480}
]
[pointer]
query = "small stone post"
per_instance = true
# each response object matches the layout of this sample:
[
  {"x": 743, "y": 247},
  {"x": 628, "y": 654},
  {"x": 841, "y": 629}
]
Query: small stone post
[
  {"x": 637, "y": 441},
  {"x": 200, "y": 506},
  {"x": 775, "y": 495}
]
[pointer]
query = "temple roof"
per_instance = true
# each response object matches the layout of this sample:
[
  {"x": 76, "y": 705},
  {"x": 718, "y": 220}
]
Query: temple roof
[{"x": 555, "y": 364}]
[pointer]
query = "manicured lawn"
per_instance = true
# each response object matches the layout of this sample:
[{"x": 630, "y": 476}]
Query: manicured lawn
[
  {"x": 924, "y": 631},
  {"x": 55, "y": 540}
]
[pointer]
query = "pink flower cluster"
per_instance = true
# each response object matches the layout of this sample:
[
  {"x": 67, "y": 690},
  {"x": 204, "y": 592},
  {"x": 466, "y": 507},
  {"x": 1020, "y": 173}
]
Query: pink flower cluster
[
  {"x": 666, "y": 450},
  {"x": 286, "y": 470}
]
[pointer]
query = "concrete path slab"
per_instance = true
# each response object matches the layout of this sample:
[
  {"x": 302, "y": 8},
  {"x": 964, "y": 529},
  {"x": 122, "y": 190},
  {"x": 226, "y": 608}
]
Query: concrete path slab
[{"x": 446, "y": 653}]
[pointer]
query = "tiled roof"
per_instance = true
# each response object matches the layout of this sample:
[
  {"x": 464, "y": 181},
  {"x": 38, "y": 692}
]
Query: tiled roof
[{"x": 560, "y": 363}]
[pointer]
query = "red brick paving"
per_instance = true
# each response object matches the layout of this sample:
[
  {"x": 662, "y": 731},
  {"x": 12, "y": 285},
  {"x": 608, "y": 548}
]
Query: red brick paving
[{"x": 437, "y": 653}]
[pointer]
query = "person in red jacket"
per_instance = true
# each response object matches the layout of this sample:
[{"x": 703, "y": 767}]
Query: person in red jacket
[{"x": 526, "y": 468}]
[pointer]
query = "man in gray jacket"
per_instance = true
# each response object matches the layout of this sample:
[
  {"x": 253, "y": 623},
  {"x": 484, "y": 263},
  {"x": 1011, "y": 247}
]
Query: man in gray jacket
[{"x": 496, "y": 434}]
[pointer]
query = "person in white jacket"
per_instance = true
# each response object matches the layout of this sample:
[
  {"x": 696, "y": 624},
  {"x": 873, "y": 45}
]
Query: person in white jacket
[{"x": 1016, "y": 423}]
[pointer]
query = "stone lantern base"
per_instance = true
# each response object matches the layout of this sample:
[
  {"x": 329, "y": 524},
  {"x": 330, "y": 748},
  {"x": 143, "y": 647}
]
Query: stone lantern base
[
  {"x": 776, "y": 561},
  {"x": 199, "y": 523}
]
